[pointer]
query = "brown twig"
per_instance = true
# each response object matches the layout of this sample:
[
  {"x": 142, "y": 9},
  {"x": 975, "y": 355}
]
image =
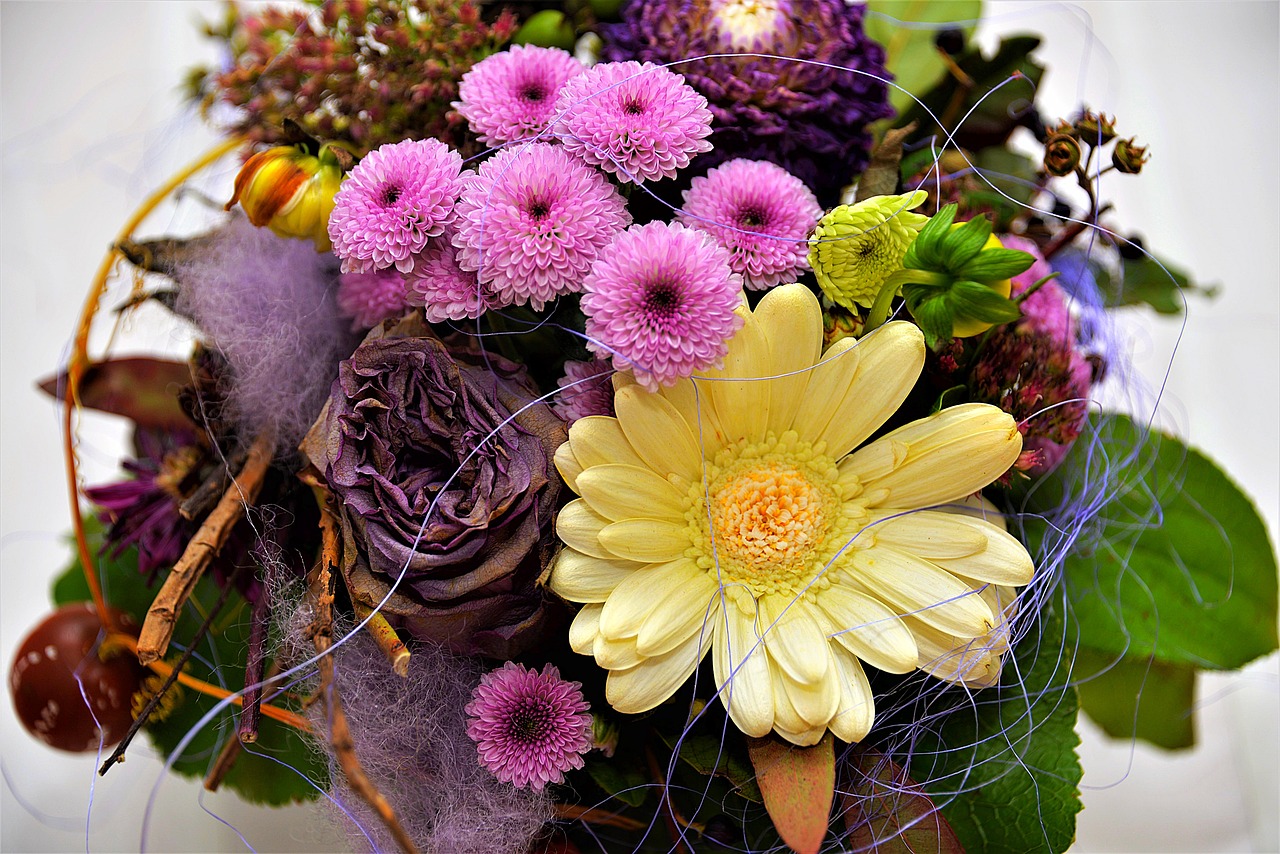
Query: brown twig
[
  {"x": 572, "y": 812},
  {"x": 226, "y": 760},
  {"x": 322, "y": 590},
  {"x": 157, "y": 628},
  {"x": 386, "y": 639},
  {"x": 255, "y": 664},
  {"x": 206, "y": 495}
]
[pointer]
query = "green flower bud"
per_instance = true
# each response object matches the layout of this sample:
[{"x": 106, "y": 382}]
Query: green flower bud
[
  {"x": 1061, "y": 155},
  {"x": 855, "y": 248},
  {"x": 1096, "y": 129},
  {"x": 1128, "y": 157}
]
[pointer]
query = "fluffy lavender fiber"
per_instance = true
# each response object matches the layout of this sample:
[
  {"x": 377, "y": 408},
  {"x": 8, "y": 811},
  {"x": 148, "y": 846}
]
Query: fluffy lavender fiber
[
  {"x": 410, "y": 735},
  {"x": 266, "y": 304}
]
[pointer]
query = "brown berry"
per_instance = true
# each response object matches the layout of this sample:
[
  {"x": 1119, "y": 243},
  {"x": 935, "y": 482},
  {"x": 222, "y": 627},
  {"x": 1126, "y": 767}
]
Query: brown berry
[{"x": 55, "y": 660}]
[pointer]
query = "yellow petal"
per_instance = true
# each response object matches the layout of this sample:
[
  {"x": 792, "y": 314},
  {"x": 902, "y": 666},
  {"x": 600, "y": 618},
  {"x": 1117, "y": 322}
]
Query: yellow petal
[
  {"x": 584, "y": 628},
  {"x": 637, "y": 595},
  {"x": 1004, "y": 561},
  {"x": 598, "y": 440},
  {"x": 616, "y": 654},
  {"x": 916, "y": 587},
  {"x": 889, "y": 362},
  {"x": 950, "y": 454},
  {"x": 658, "y": 433},
  {"x": 814, "y": 704},
  {"x": 740, "y": 394},
  {"x": 869, "y": 629},
  {"x": 794, "y": 639},
  {"x": 579, "y": 527},
  {"x": 646, "y": 540},
  {"x": 828, "y": 381},
  {"x": 630, "y": 492},
  {"x": 857, "y": 711},
  {"x": 932, "y": 534},
  {"x": 973, "y": 661},
  {"x": 693, "y": 401},
  {"x": 567, "y": 464},
  {"x": 582, "y": 578},
  {"x": 641, "y": 688},
  {"x": 791, "y": 320},
  {"x": 678, "y": 614},
  {"x": 741, "y": 668},
  {"x": 788, "y": 721}
]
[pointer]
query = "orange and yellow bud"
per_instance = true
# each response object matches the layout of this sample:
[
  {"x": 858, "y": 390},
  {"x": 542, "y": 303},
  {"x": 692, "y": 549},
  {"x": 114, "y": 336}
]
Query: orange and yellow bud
[{"x": 290, "y": 191}]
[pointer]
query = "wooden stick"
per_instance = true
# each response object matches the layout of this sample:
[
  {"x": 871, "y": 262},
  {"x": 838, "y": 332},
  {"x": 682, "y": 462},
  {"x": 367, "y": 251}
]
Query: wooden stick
[
  {"x": 386, "y": 639},
  {"x": 339, "y": 732},
  {"x": 157, "y": 628},
  {"x": 226, "y": 760},
  {"x": 591, "y": 815}
]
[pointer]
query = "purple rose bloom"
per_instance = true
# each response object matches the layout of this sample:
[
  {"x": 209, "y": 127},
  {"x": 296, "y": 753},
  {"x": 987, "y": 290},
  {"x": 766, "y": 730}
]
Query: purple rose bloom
[{"x": 444, "y": 471}]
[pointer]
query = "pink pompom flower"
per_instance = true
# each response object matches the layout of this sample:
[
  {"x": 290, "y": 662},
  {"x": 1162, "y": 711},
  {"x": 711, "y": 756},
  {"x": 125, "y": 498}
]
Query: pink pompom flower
[
  {"x": 661, "y": 301},
  {"x": 370, "y": 298},
  {"x": 396, "y": 199},
  {"x": 533, "y": 221},
  {"x": 586, "y": 389},
  {"x": 529, "y": 726},
  {"x": 761, "y": 213},
  {"x": 511, "y": 95},
  {"x": 444, "y": 290},
  {"x": 640, "y": 122}
]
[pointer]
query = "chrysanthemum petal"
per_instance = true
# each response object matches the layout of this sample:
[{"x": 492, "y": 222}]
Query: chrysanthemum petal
[
  {"x": 791, "y": 320},
  {"x": 679, "y": 614},
  {"x": 636, "y": 597},
  {"x": 857, "y": 711},
  {"x": 583, "y": 578},
  {"x": 646, "y": 540},
  {"x": 659, "y": 433},
  {"x": 869, "y": 629},
  {"x": 794, "y": 639},
  {"x": 741, "y": 668},
  {"x": 915, "y": 586},
  {"x": 598, "y": 440},
  {"x": 620, "y": 492},
  {"x": 584, "y": 628},
  {"x": 741, "y": 397},
  {"x": 950, "y": 454},
  {"x": 640, "y": 688}
]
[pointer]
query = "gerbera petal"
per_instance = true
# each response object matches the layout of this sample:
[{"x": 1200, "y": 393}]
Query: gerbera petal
[
  {"x": 831, "y": 376},
  {"x": 787, "y": 719},
  {"x": 950, "y": 454},
  {"x": 646, "y": 540},
  {"x": 620, "y": 492},
  {"x": 1004, "y": 561},
  {"x": 932, "y": 534},
  {"x": 741, "y": 668},
  {"x": 741, "y": 397},
  {"x": 974, "y": 661},
  {"x": 857, "y": 710},
  {"x": 584, "y": 628},
  {"x": 582, "y": 578},
  {"x": 636, "y": 596},
  {"x": 869, "y": 629},
  {"x": 792, "y": 323},
  {"x": 794, "y": 639},
  {"x": 677, "y": 615},
  {"x": 598, "y": 440},
  {"x": 568, "y": 465},
  {"x": 579, "y": 527},
  {"x": 658, "y": 432},
  {"x": 692, "y": 399},
  {"x": 640, "y": 688},
  {"x": 916, "y": 587},
  {"x": 616, "y": 654},
  {"x": 890, "y": 360},
  {"x": 815, "y": 704}
]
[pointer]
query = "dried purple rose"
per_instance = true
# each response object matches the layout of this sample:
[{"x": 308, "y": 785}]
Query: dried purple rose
[{"x": 444, "y": 470}]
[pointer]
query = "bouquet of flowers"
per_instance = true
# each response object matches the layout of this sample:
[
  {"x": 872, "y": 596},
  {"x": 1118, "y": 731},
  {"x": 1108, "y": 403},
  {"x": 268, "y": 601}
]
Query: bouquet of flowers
[{"x": 658, "y": 426}]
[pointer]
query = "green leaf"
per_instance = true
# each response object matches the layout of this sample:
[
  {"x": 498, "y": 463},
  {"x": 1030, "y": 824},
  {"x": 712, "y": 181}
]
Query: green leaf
[
  {"x": 798, "y": 785},
  {"x": 910, "y": 53},
  {"x": 1143, "y": 698},
  {"x": 996, "y": 264},
  {"x": 934, "y": 316},
  {"x": 619, "y": 779},
  {"x": 887, "y": 812},
  {"x": 1004, "y": 770},
  {"x": 979, "y": 302},
  {"x": 1144, "y": 281},
  {"x": 925, "y": 252},
  {"x": 1179, "y": 567},
  {"x": 964, "y": 242},
  {"x": 711, "y": 757}
]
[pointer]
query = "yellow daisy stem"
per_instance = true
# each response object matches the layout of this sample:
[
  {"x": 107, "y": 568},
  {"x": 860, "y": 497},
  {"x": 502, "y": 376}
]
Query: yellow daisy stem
[
  {"x": 884, "y": 300},
  {"x": 79, "y": 363}
]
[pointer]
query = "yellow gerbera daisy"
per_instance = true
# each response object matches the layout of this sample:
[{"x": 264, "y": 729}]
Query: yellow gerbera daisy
[{"x": 727, "y": 513}]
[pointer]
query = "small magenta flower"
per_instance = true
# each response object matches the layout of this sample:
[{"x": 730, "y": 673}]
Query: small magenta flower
[
  {"x": 761, "y": 213},
  {"x": 586, "y": 389},
  {"x": 395, "y": 200},
  {"x": 444, "y": 290},
  {"x": 511, "y": 96},
  {"x": 640, "y": 122},
  {"x": 661, "y": 301},
  {"x": 529, "y": 726},
  {"x": 533, "y": 221},
  {"x": 370, "y": 298}
]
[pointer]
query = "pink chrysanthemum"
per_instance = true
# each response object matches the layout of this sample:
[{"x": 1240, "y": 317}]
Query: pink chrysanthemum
[
  {"x": 511, "y": 96},
  {"x": 370, "y": 298},
  {"x": 661, "y": 302},
  {"x": 533, "y": 221},
  {"x": 640, "y": 122},
  {"x": 587, "y": 390},
  {"x": 761, "y": 213},
  {"x": 443, "y": 289},
  {"x": 529, "y": 727},
  {"x": 395, "y": 199}
]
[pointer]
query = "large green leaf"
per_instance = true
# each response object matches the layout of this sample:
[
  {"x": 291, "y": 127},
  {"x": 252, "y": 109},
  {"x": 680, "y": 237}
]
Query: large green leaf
[
  {"x": 1139, "y": 698},
  {"x": 909, "y": 50},
  {"x": 1178, "y": 565},
  {"x": 1148, "y": 281},
  {"x": 1004, "y": 769}
]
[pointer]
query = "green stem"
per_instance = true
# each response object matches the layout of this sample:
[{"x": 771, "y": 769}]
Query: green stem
[
  {"x": 1035, "y": 287},
  {"x": 884, "y": 300}
]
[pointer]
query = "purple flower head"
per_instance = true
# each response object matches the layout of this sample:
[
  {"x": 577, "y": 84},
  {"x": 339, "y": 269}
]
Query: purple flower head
[
  {"x": 511, "y": 96},
  {"x": 370, "y": 298},
  {"x": 444, "y": 469},
  {"x": 443, "y": 289},
  {"x": 661, "y": 301},
  {"x": 533, "y": 221},
  {"x": 394, "y": 200},
  {"x": 761, "y": 213},
  {"x": 640, "y": 122},
  {"x": 587, "y": 390},
  {"x": 529, "y": 726},
  {"x": 810, "y": 117}
]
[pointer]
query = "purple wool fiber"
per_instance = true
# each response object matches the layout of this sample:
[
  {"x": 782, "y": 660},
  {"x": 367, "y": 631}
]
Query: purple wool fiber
[
  {"x": 410, "y": 735},
  {"x": 266, "y": 303}
]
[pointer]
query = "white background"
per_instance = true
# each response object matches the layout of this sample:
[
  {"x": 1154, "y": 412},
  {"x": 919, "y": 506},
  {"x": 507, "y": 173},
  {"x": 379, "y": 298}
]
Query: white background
[{"x": 92, "y": 123}]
